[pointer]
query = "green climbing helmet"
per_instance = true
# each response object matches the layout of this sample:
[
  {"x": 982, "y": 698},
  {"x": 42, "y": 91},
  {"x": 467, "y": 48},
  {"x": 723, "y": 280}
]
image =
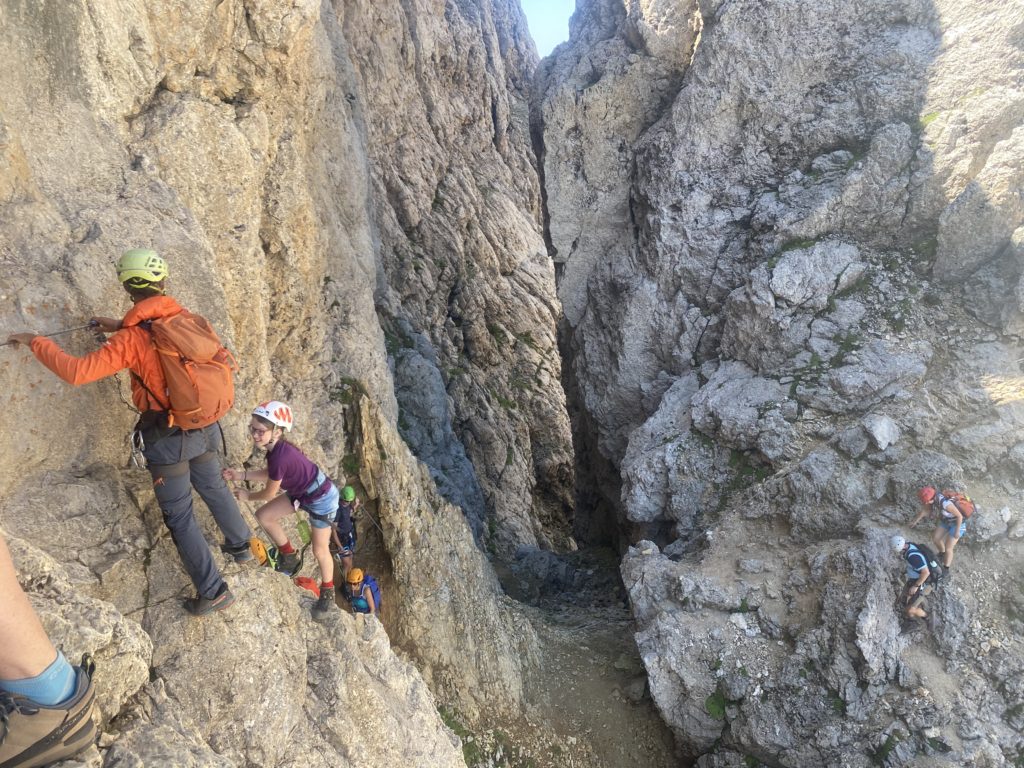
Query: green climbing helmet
[
  {"x": 141, "y": 267},
  {"x": 348, "y": 493}
]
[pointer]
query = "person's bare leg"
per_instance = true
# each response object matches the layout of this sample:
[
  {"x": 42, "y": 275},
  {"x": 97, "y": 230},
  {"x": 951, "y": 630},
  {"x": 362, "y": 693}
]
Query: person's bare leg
[
  {"x": 27, "y": 649},
  {"x": 950, "y": 544},
  {"x": 322, "y": 552},
  {"x": 268, "y": 516}
]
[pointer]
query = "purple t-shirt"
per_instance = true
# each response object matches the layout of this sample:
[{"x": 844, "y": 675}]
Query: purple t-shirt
[{"x": 288, "y": 464}]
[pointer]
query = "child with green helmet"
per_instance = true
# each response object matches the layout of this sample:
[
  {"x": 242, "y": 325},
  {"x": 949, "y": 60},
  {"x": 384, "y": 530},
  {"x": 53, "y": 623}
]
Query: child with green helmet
[{"x": 345, "y": 529}]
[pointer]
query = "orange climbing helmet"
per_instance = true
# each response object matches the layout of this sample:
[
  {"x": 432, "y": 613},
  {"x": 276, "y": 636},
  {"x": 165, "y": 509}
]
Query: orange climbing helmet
[{"x": 355, "y": 576}]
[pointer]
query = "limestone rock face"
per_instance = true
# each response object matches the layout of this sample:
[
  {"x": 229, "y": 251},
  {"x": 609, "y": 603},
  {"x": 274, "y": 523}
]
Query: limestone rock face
[
  {"x": 348, "y": 192},
  {"x": 790, "y": 263},
  {"x": 463, "y": 255},
  {"x": 455, "y": 588}
]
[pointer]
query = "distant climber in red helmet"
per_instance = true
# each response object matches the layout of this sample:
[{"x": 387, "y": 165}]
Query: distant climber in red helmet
[{"x": 952, "y": 509}]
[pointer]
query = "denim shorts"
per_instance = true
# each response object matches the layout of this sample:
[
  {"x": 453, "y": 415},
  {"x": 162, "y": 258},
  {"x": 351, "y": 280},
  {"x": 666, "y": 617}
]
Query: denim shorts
[
  {"x": 950, "y": 526},
  {"x": 323, "y": 511}
]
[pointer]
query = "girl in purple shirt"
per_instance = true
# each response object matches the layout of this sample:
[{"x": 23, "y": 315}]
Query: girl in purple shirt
[{"x": 305, "y": 486}]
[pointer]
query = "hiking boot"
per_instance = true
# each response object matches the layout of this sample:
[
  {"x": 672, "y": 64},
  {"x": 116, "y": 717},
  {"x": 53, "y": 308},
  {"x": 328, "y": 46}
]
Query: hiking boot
[
  {"x": 33, "y": 734},
  {"x": 324, "y": 604},
  {"x": 240, "y": 554},
  {"x": 200, "y": 606},
  {"x": 289, "y": 564}
]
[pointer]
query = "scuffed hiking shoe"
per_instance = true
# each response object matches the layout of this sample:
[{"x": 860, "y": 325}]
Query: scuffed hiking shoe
[
  {"x": 324, "y": 604},
  {"x": 200, "y": 606},
  {"x": 289, "y": 564},
  {"x": 33, "y": 734},
  {"x": 240, "y": 554}
]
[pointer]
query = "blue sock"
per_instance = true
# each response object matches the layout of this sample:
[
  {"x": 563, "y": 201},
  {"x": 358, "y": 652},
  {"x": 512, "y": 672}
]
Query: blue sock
[{"x": 54, "y": 685}]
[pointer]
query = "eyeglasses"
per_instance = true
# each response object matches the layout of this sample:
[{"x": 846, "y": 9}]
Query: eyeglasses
[{"x": 257, "y": 432}]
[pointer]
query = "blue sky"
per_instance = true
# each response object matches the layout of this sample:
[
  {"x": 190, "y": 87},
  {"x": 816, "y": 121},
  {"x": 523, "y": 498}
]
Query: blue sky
[{"x": 549, "y": 22}]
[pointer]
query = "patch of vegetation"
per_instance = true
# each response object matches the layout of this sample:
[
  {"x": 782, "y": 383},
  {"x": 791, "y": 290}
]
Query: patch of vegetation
[
  {"x": 456, "y": 371},
  {"x": 498, "y": 334},
  {"x": 701, "y": 438},
  {"x": 509, "y": 456},
  {"x": 848, "y": 342},
  {"x": 347, "y": 391},
  {"x": 715, "y": 705},
  {"x": 939, "y": 745},
  {"x": 350, "y": 464},
  {"x": 927, "y": 119},
  {"x": 898, "y": 313},
  {"x": 504, "y": 402},
  {"x": 879, "y": 756},
  {"x": 926, "y": 247},
  {"x": 862, "y": 286},
  {"x": 838, "y": 704},
  {"x": 745, "y": 474},
  {"x": 799, "y": 243},
  {"x": 521, "y": 384},
  {"x": 527, "y": 338},
  {"x": 856, "y": 155},
  {"x": 751, "y": 762},
  {"x": 393, "y": 342},
  {"x": 471, "y": 751},
  {"x": 746, "y": 470}
]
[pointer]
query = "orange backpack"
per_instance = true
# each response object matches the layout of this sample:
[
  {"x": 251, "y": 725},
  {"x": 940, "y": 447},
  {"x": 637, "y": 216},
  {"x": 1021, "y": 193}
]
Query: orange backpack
[
  {"x": 962, "y": 502},
  {"x": 197, "y": 368}
]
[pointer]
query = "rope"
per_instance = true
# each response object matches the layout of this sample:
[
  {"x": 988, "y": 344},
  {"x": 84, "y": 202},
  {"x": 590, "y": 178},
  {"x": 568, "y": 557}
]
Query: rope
[{"x": 56, "y": 333}]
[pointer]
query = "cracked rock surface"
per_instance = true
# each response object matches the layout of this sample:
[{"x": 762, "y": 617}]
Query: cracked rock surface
[{"x": 790, "y": 254}]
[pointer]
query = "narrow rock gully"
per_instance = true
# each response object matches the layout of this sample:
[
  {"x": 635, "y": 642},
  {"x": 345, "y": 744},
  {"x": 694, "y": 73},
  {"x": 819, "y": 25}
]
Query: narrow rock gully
[{"x": 589, "y": 706}]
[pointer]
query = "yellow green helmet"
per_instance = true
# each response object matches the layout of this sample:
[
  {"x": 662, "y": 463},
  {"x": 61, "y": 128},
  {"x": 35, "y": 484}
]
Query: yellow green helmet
[{"x": 141, "y": 267}]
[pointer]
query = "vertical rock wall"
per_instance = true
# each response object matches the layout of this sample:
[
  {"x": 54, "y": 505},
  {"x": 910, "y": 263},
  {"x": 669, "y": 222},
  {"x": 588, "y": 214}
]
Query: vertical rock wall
[
  {"x": 794, "y": 300},
  {"x": 469, "y": 309},
  {"x": 346, "y": 191}
]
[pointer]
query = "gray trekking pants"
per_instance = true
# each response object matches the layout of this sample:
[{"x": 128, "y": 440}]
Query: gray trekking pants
[{"x": 179, "y": 461}]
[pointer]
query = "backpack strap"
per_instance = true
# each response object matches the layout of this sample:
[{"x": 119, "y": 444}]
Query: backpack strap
[
  {"x": 147, "y": 326},
  {"x": 151, "y": 394}
]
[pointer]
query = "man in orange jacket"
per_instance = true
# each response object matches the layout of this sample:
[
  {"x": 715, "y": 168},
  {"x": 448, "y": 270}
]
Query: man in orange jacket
[{"x": 177, "y": 458}]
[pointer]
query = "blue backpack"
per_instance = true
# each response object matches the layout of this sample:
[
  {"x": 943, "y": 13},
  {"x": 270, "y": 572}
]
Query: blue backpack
[
  {"x": 368, "y": 581},
  {"x": 935, "y": 569}
]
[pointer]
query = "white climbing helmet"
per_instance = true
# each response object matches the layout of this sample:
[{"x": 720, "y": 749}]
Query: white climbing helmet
[
  {"x": 276, "y": 412},
  {"x": 898, "y": 542}
]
